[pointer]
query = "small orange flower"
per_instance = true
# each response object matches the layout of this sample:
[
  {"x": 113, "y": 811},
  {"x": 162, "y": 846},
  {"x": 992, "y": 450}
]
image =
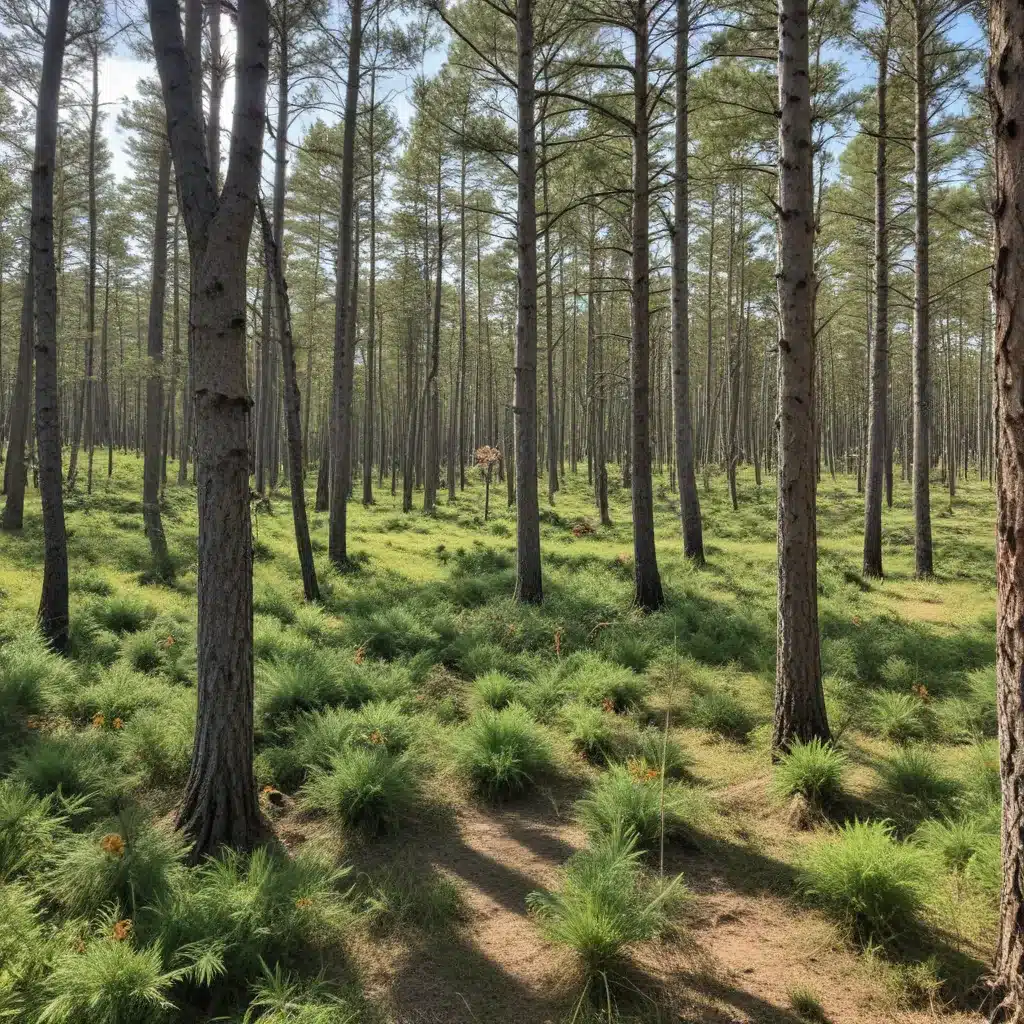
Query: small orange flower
[
  {"x": 122, "y": 930},
  {"x": 117, "y": 723},
  {"x": 98, "y": 720},
  {"x": 360, "y": 654},
  {"x": 376, "y": 737},
  {"x": 113, "y": 844}
]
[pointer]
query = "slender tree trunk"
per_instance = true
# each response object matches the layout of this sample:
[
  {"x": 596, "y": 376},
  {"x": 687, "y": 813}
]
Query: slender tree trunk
[
  {"x": 648, "y": 593},
  {"x": 344, "y": 322},
  {"x": 799, "y": 699},
  {"x": 154, "y": 380},
  {"x": 16, "y": 469},
  {"x": 922, "y": 396},
  {"x": 292, "y": 407},
  {"x": 371, "y": 316},
  {"x": 529, "y": 587},
  {"x": 879, "y": 392},
  {"x": 53, "y": 604}
]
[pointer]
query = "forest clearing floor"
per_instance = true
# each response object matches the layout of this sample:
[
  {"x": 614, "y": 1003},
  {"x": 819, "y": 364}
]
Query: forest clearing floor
[{"x": 422, "y": 635}]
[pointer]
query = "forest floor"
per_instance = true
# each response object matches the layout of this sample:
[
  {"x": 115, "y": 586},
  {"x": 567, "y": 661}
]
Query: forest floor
[{"x": 439, "y": 928}]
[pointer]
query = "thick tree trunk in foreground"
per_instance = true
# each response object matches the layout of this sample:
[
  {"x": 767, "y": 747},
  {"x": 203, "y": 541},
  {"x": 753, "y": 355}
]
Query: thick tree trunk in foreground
[
  {"x": 529, "y": 587},
  {"x": 220, "y": 806},
  {"x": 799, "y": 699},
  {"x": 53, "y": 603},
  {"x": 922, "y": 309},
  {"x": 689, "y": 502},
  {"x": 345, "y": 312},
  {"x": 879, "y": 391},
  {"x": 1006, "y": 91},
  {"x": 155, "y": 380},
  {"x": 16, "y": 468},
  {"x": 647, "y": 594}
]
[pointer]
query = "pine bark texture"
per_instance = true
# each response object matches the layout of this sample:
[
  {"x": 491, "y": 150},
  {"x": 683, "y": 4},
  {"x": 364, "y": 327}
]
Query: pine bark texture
[
  {"x": 344, "y": 317},
  {"x": 878, "y": 396},
  {"x": 53, "y": 602},
  {"x": 647, "y": 593},
  {"x": 219, "y": 807},
  {"x": 528, "y": 572},
  {"x": 922, "y": 307},
  {"x": 799, "y": 699},
  {"x": 155, "y": 381},
  {"x": 1006, "y": 92}
]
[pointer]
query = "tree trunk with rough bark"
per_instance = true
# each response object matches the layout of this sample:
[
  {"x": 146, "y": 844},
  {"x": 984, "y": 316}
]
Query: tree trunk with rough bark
[
  {"x": 922, "y": 308},
  {"x": 529, "y": 587},
  {"x": 686, "y": 477},
  {"x": 879, "y": 391},
  {"x": 1006, "y": 94},
  {"x": 154, "y": 381},
  {"x": 16, "y": 469},
  {"x": 1006, "y": 87},
  {"x": 799, "y": 698},
  {"x": 53, "y": 603},
  {"x": 647, "y": 593},
  {"x": 219, "y": 807},
  {"x": 344, "y": 320}
]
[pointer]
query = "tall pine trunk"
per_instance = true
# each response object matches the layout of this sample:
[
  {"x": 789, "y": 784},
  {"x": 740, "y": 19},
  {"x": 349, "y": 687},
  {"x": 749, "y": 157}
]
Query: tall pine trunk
[
  {"x": 154, "y": 380},
  {"x": 53, "y": 603},
  {"x": 1006, "y": 93},
  {"x": 799, "y": 698},
  {"x": 922, "y": 384},
  {"x": 648, "y": 593},
  {"x": 219, "y": 807},
  {"x": 529, "y": 587},
  {"x": 878, "y": 397},
  {"x": 345, "y": 313}
]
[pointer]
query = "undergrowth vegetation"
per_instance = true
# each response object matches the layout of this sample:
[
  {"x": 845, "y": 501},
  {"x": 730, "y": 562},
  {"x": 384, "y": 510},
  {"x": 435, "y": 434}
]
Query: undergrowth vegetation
[{"x": 417, "y": 691}]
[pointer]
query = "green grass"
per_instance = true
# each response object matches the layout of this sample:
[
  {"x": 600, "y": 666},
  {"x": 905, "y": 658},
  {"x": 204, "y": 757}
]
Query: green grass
[
  {"x": 418, "y": 685},
  {"x": 812, "y": 770}
]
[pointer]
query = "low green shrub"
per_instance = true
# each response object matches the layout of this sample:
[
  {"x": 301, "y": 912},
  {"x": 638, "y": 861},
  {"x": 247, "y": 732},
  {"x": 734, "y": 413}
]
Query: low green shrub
[
  {"x": 589, "y": 730},
  {"x": 31, "y": 828},
  {"x": 867, "y": 880},
  {"x": 73, "y": 765},
  {"x": 900, "y": 717},
  {"x": 110, "y": 982},
  {"x": 651, "y": 746},
  {"x": 501, "y": 753},
  {"x": 599, "y": 682},
  {"x": 494, "y": 690},
  {"x": 156, "y": 744},
  {"x": 364, "y": 787},
  {"x": 606, "y": 902},
  {"x": 915, "y": 785},
  {"x": 812, "y": 770},
  {"x": 123, "y": 613},
  {"x": 953, "y": 841},
  {"x": 628, "y": 800},
  {"x": 126, "y": 860},
  {"x": 264, "y": 908},
  {"x": 721, "y": 712}
]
